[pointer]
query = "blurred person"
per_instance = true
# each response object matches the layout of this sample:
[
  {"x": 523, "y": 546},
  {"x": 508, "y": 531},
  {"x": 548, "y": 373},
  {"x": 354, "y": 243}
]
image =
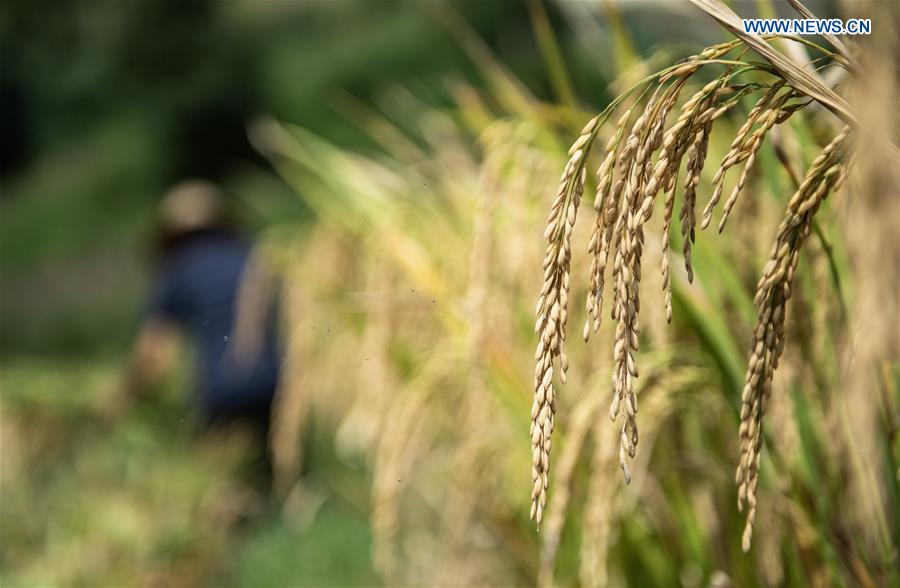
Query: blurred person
[{"x": 208, "y": 286}]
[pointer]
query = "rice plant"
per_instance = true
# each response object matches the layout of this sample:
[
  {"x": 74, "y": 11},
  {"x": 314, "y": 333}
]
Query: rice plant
[{"x": 629, "y": 180}]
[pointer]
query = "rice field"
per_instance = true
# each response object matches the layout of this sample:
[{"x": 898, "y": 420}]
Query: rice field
[{"x": 733, "y": 295}]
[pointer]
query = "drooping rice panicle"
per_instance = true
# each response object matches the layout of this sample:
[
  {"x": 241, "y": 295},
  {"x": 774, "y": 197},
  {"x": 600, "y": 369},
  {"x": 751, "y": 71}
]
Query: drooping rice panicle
[
  {"x": 751, "y": 148},
  {"x": 772, "y": 294},
  {"x": 627, "y": 269},
  {"x": 552, "y": 312},
  {"x": 606, "y": 204},
  {"x": 731, "y": 158}
]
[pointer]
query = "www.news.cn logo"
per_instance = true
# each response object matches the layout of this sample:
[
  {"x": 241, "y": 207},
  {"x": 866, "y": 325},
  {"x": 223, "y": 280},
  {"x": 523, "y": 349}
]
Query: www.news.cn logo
[{"x": 807, "y": 26}]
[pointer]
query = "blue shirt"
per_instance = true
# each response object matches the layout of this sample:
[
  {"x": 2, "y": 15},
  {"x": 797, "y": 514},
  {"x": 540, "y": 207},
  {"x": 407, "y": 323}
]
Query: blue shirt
[{"x": 197, "y": 288}]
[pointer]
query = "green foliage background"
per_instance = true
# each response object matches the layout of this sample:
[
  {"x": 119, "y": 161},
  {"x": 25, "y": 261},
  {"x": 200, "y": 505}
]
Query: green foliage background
[{"x": 105, "y": 105}]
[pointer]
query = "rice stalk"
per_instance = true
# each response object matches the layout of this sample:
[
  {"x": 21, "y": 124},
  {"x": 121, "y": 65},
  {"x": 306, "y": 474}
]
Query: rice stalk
[
  {"x": 582, "y": 420},
  {"x": 869, "y": 408},
  {"x": 368, "y": 415},
  {"x": 600, "y": 511},
  {"x": 395, "y": 455},
  {"x": 477, "y": 406},
  {"x": 664, "y": 385}
]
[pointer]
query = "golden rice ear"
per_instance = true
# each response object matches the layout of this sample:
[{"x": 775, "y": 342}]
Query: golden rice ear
[
  {"x": 552, "y": 311},
  {"x": 772, "y": 295}
]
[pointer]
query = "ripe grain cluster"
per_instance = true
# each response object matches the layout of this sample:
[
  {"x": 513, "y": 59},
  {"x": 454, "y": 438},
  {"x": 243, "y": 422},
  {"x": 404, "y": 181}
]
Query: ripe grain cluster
[{"x": 654, "y": 144}]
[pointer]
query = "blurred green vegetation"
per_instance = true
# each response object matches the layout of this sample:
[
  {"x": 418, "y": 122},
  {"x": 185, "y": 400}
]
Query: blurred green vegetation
[
  {"x": 109, "y": 104},
  {"x": 142, "y": 503},
  {"x": 105, "y": 105}
]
